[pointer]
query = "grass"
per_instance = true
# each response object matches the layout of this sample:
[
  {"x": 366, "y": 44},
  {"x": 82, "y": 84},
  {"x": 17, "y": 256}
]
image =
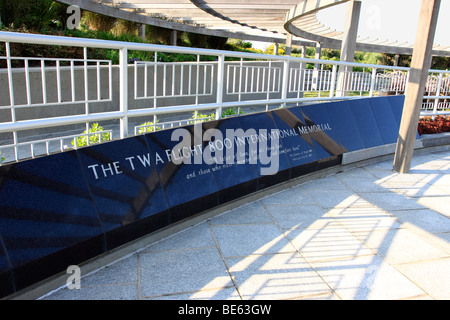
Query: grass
[{"x": 315, "y": 94}]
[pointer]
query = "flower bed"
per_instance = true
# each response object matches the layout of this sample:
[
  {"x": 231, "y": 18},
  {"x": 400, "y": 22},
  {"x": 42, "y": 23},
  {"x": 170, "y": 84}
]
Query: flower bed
[{"x": 428, "y": 126}]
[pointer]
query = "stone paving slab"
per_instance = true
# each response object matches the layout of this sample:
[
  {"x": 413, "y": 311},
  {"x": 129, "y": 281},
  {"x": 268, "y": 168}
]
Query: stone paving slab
[{"x": 363, "y": 233}]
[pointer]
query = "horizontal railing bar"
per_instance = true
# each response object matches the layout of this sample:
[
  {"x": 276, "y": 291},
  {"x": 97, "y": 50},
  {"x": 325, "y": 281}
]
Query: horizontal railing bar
[
  {"x": 436, "y": 97},
  {"x": 107, "y": 44},
  {"x": 186, "y": 63},
  {"x": 70, "y": 137},
  {"x": 437, "y": 113},
  {"x": 56, "y": 103},
  {"x": 58, "y": 121},
  {"x": 54, "y": 59},
  {"x": 257, "y": 69}
]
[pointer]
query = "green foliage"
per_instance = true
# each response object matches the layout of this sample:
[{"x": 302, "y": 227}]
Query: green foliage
[
  {"x": 231, "y": 112},
  {"x": 217, "y": 42},
  {"x": 150, "y": 127},
  {"x": 440, "y": 63},
  {"x": 94, "y": 138},
  {"x": 34, "y": 15},
  {"x": 203, "y": 117},
  {"x": 271, "y": 49},
  {"x": 157, "y": 35},
  {"x": 239, "y": 45},
  {"x": 329, "y": 54},
  {"x": 99, "y": 22},
  {"x": 212, "y": 116},
  {"x": 49, "y": 17},
  {"x": 243, "y": 44}
]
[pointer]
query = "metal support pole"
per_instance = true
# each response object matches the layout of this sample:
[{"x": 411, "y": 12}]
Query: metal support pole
[
  {"x": 438, "y": 93},
  {"x": 348, "y": 43},
  {"x": 285, "y": 84},
  {"x": 123, "y": 91},
  {"x": 143, "y": 32},
  {"x": 287, "y": 52},
  {"x": 420, "y": 64},
  {"x": 219, "y": 93},
  {"x": 333, "y": 80},
  {"x": 315, "y": 78},
  {"x": 396, "y": 57},
  {"x": 373, "y": 79},
  {"x": 173, "y": 38}
]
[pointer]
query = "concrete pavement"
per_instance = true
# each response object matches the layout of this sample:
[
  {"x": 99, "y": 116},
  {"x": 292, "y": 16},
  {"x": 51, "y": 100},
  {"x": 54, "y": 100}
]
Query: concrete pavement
[{"x": 365, "y": 232}]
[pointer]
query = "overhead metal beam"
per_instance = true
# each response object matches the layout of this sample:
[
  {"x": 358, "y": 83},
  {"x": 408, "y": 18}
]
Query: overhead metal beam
[
  {"x": 105, "y": 9},
  {"x": 293, "y": 24},
  {"x": 249, "y": 20}
]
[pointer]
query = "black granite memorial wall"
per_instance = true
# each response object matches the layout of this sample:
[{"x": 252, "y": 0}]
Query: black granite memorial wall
[{"x": 66, "y": 208}]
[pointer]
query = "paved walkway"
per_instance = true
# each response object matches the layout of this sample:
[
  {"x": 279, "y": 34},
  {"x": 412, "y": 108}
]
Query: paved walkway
[{"x": 364, "y": 233}]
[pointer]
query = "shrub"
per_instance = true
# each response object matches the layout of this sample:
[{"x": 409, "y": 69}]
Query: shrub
[
  {"x": 212, "y": 115},
  {"x": 94, "y": 138},
  {"x": 231, "y": 112},
  {"x": 203, "y": 117},
  {"x": 150, "y": 127},
  {"x": 33, "y": 14}
]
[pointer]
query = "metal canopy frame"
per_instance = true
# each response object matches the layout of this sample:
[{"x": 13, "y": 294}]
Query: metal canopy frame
[{"x": 269, "y": 21}]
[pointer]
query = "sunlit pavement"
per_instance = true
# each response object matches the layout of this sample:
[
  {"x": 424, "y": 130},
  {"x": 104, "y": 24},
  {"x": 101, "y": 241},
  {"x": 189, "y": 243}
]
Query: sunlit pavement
[{"x": 364, "y": 233}]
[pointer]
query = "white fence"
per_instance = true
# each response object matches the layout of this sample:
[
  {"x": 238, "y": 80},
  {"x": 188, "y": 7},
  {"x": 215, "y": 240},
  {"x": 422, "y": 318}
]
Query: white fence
[{"x": 44, "y": 98}]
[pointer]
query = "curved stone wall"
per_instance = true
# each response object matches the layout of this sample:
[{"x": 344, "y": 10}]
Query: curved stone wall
[{"x": 66, "y": 208}]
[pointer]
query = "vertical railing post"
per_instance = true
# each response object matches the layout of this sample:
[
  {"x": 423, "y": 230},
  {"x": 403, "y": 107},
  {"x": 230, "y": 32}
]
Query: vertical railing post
[
  {"x": 86, "y": 88},
  {"x": 155, "y": 88},
  {"x": 438, "y": 92},
  {"x": 11, "y": 96},
  {"x": 123, "y": 91},
  {"x": 10, "y": 81},
  {"x": 333, "y": 80},
  {"x": 373, "y": 79},
  {"x": 219, "y": 81},
  {"x": 285, "y": 83}
]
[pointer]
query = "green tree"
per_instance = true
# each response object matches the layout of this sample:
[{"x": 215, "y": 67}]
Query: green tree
[
  {"x": 34, "y": 15},
  {"x": 96, "y": 135},
  {"x": 96, "y": 21}
]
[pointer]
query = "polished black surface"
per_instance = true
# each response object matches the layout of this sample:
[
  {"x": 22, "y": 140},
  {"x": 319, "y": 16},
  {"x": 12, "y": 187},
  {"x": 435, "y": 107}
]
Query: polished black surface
[
  {"x": 123, "y": 180},
  {"x": 233, "y": 169},
  {"x": 344, "y": 124},
  {"x": 366, "y": 123},
  {"x": 298, "y": 145},
  {"x": 4, "y": 264},
  {"x": 386, "y": 121},
  {"x": 182, "y": 182},
  {"x": 396, "y": 104},
  {"x": 66, "y": 208},
  {"x": 45, "y": 207},
  {"x": 321, "y": 131},
  {"x": 270, "y": 140},
  {"x": 6, "y": 279}
]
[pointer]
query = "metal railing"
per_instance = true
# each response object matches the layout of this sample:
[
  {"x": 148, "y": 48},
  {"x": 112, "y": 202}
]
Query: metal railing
[{"x": 45, "y": 98}]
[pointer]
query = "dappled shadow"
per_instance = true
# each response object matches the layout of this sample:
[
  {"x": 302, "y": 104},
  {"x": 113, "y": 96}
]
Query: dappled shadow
[
  {"x": 345, "y": 252},
  {"x": 345, "y": 236}
]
